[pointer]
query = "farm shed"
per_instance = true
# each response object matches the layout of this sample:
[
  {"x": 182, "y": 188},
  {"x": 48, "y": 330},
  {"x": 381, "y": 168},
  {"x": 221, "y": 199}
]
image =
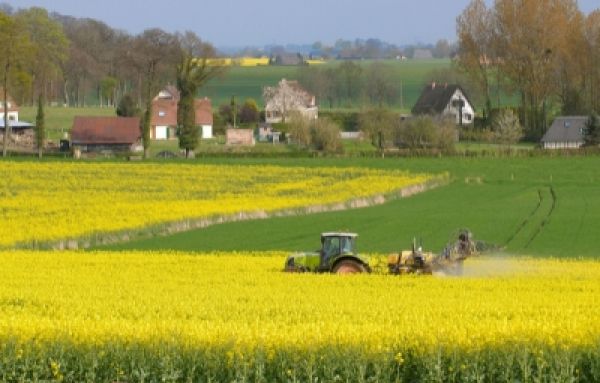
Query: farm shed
[
  {"x": 164, "y": 115},
  {"x": 106, "y": 134},
  {"x": 445, "y": 100},
  {"x": 565, "y": 133}
]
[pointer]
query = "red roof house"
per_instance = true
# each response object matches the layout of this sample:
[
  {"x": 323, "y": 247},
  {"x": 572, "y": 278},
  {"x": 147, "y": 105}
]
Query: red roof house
[{"x": 93, "y": 134}]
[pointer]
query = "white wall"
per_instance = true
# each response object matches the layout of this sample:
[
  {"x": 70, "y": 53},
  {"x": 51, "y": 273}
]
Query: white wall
[
  {"x": 468, "y": 111},
  {"x": 207, "y": 131}
]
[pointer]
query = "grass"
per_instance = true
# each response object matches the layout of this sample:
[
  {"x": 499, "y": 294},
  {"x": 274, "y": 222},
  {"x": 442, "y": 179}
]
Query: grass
[
  {"x": 496, "y": 198},
  {"x": 248, "y": 82},
  {"x": 59, "y": 120}
]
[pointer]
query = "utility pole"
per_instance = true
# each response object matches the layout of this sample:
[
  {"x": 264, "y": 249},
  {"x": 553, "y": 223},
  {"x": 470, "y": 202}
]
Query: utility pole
[{"x": 234, "y": 111}]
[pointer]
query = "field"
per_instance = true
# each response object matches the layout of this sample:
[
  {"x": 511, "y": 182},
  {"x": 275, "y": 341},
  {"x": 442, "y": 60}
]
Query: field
[
  {"x": 248, "y": 82},
  {"x": 535, "y": 206},
  {"x": 212, "y": 305},
  {"x": 94, "y": 201},
  {"x": 235, "y": 317}
]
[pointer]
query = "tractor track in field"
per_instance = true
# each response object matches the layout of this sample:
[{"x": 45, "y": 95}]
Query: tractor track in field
[{"x": 534, "y": 223}]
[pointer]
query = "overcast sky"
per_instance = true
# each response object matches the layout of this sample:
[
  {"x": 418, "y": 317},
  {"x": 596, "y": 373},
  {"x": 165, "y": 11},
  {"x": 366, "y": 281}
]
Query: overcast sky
[{"x": 259, "y": 22}]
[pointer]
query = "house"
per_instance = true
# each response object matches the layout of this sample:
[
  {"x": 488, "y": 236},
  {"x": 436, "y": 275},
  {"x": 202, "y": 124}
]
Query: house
[
  {"x": 288, "y": 97},
  {"x": 566, "y": 133},
  {"x": 445, "y": 100},
  {"x": 163, "y": 125},
  {"x": 288, "y": 59},
  {"x": 13, "y": 108},
  {"x": 106, "y": 134}
]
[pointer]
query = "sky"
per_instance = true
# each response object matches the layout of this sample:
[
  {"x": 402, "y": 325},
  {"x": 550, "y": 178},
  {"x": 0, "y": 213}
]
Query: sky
[{"x": 236, "y": 23}]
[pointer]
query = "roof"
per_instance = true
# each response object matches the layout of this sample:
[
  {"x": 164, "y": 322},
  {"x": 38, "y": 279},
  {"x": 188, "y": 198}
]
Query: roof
[
  {"x": 435, "y": 98},
  {"x": 204, "y": 114},
  {"x": 164, "y": 112},
  {"x": 17, "y": 124},
  {"x": 566, "y": 129},
  {"x": 105, "y": 130},
  {"x": 170, "y": 92},
  {"x": 338, "y": 234}
]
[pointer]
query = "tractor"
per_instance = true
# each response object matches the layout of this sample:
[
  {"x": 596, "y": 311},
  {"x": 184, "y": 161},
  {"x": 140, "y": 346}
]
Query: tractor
[{"x": 338, "y": 254}]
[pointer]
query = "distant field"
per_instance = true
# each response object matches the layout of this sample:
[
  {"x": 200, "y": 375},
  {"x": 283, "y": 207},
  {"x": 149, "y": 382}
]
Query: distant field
[
  {"x": 534, "y": 206},
  {"x": 248, "y": 82}
]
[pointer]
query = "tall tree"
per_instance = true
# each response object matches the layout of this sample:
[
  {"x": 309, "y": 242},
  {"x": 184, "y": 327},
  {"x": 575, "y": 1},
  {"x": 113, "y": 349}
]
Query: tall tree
[
  {"x": 529, "y": 36},
  {"x": 476, "y": 54},
  {"x": 49, "y": 48},
  {"x": 14, "y": 45},
  {"x": 592, "y": 131},
  {"x": 40, "y": 127},
  {"x": 193, "y": 71},
  {"x": 154, "y": 53}
]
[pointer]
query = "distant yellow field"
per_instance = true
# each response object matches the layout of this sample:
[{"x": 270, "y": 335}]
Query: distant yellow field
[{"x": 57, "y": 200}]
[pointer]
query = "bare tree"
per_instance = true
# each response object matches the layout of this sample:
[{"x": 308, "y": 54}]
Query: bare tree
[{"x": 506, "y": 128}]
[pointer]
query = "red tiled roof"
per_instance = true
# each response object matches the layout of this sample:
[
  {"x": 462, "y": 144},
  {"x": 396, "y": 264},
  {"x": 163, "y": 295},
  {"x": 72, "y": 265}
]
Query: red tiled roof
[
  {"x": 105, "y": 130},
  {"x": 164, "y": 112},
  {"x": 204, "y": 114}
]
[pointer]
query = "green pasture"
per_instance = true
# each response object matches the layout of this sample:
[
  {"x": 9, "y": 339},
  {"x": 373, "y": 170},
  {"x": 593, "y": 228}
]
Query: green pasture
[
  {"x": 59, "y": 120},
  {"x": 534, "y": 206},
  {"x": 248, "y": 82}
]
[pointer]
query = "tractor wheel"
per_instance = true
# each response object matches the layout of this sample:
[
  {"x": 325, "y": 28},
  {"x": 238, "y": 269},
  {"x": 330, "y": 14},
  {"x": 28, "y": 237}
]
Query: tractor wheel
[{"x": 349, "y": 267}]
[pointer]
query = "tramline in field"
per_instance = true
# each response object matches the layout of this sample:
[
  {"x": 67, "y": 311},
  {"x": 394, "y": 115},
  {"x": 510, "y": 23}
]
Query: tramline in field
[{"x": 338, "y": 254}]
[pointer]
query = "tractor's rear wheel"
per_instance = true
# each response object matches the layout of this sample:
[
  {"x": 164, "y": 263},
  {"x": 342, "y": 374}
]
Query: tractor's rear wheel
[{"x": 349, "y": 267}]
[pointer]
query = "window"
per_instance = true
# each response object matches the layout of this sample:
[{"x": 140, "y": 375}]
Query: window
[
  {"x": 162, "y": 113},
  {"x": 468, "y": 117}
]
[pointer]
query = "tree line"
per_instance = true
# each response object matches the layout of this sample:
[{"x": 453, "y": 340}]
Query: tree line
[
  {"x": 545, "y": 51},
  {"x": 350, "y": 84},
  {"x": 61, "y": 59}
]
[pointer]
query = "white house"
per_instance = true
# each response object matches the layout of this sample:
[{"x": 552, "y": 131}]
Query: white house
[
  {"x": 566, "y": 133},
  {"x": 13, "y": 109},
  {"x": 288, "y": 97},
  {"x": 164, "y": 115},
  {"x": 445, "y": 100}
]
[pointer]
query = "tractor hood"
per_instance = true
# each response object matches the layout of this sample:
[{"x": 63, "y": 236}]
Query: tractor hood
[{"x": 303, "y": 261}]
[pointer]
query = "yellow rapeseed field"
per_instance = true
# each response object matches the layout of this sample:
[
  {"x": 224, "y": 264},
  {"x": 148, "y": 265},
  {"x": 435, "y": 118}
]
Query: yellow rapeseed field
[
  {"x": 223, "y": 317},
  {"x": 42, "y": 202},
  {"x": 245, "y": 300}
]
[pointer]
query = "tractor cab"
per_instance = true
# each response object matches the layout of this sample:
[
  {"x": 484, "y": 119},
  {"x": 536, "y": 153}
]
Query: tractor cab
[
  {"x": 337, "y": 254},
  {"x": 336, "y": 245}
]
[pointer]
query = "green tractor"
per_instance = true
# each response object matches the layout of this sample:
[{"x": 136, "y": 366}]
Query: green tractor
[{"x": 337, "y": 255}]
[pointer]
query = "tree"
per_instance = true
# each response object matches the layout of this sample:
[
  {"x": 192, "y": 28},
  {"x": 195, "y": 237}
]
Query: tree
[
  {"x": 326, "y": 136},
  {"x": 299, "y": 128},
  {"x": 378, "y": 125},
  {"x": 284, "y": 98},
  {"x": 40, "y": 127},
  {"x": 108, "y": 85},
  {"x": 476, "y": 54},
  {"x": 14, "y": 44},
  {"x": 127, "y": 107},
  {"x": 592, "y": 131},
  {"x": 154, "y": 52},
  {"x": 193, "y": 72},
  {"x": 249, "y": 113},
  {"x": 507, "y": 128},
  {"x": 380, "y": 85},
  {"x": 49, "y": 48}
]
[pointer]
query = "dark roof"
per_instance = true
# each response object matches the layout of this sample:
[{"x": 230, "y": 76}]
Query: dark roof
[
  {"x": 566, "y": 129},
  {"x": 435, "y": 98},
  {"x": 105, "y": 130}
]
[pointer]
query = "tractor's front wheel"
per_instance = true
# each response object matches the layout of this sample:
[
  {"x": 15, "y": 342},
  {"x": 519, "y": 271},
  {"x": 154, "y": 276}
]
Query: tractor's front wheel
[{"x": 349, "y": 267}]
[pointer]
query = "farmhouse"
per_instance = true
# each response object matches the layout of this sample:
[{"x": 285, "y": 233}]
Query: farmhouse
[
  {"x": 566, "y": 133},
  {"x": 445, "y": 100},
  {"x": 21, "y": 133},
  {"x": 106, "y": 134},
  {"x": 163, "y": 124},
  {"x": 287, "y": 97}
]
